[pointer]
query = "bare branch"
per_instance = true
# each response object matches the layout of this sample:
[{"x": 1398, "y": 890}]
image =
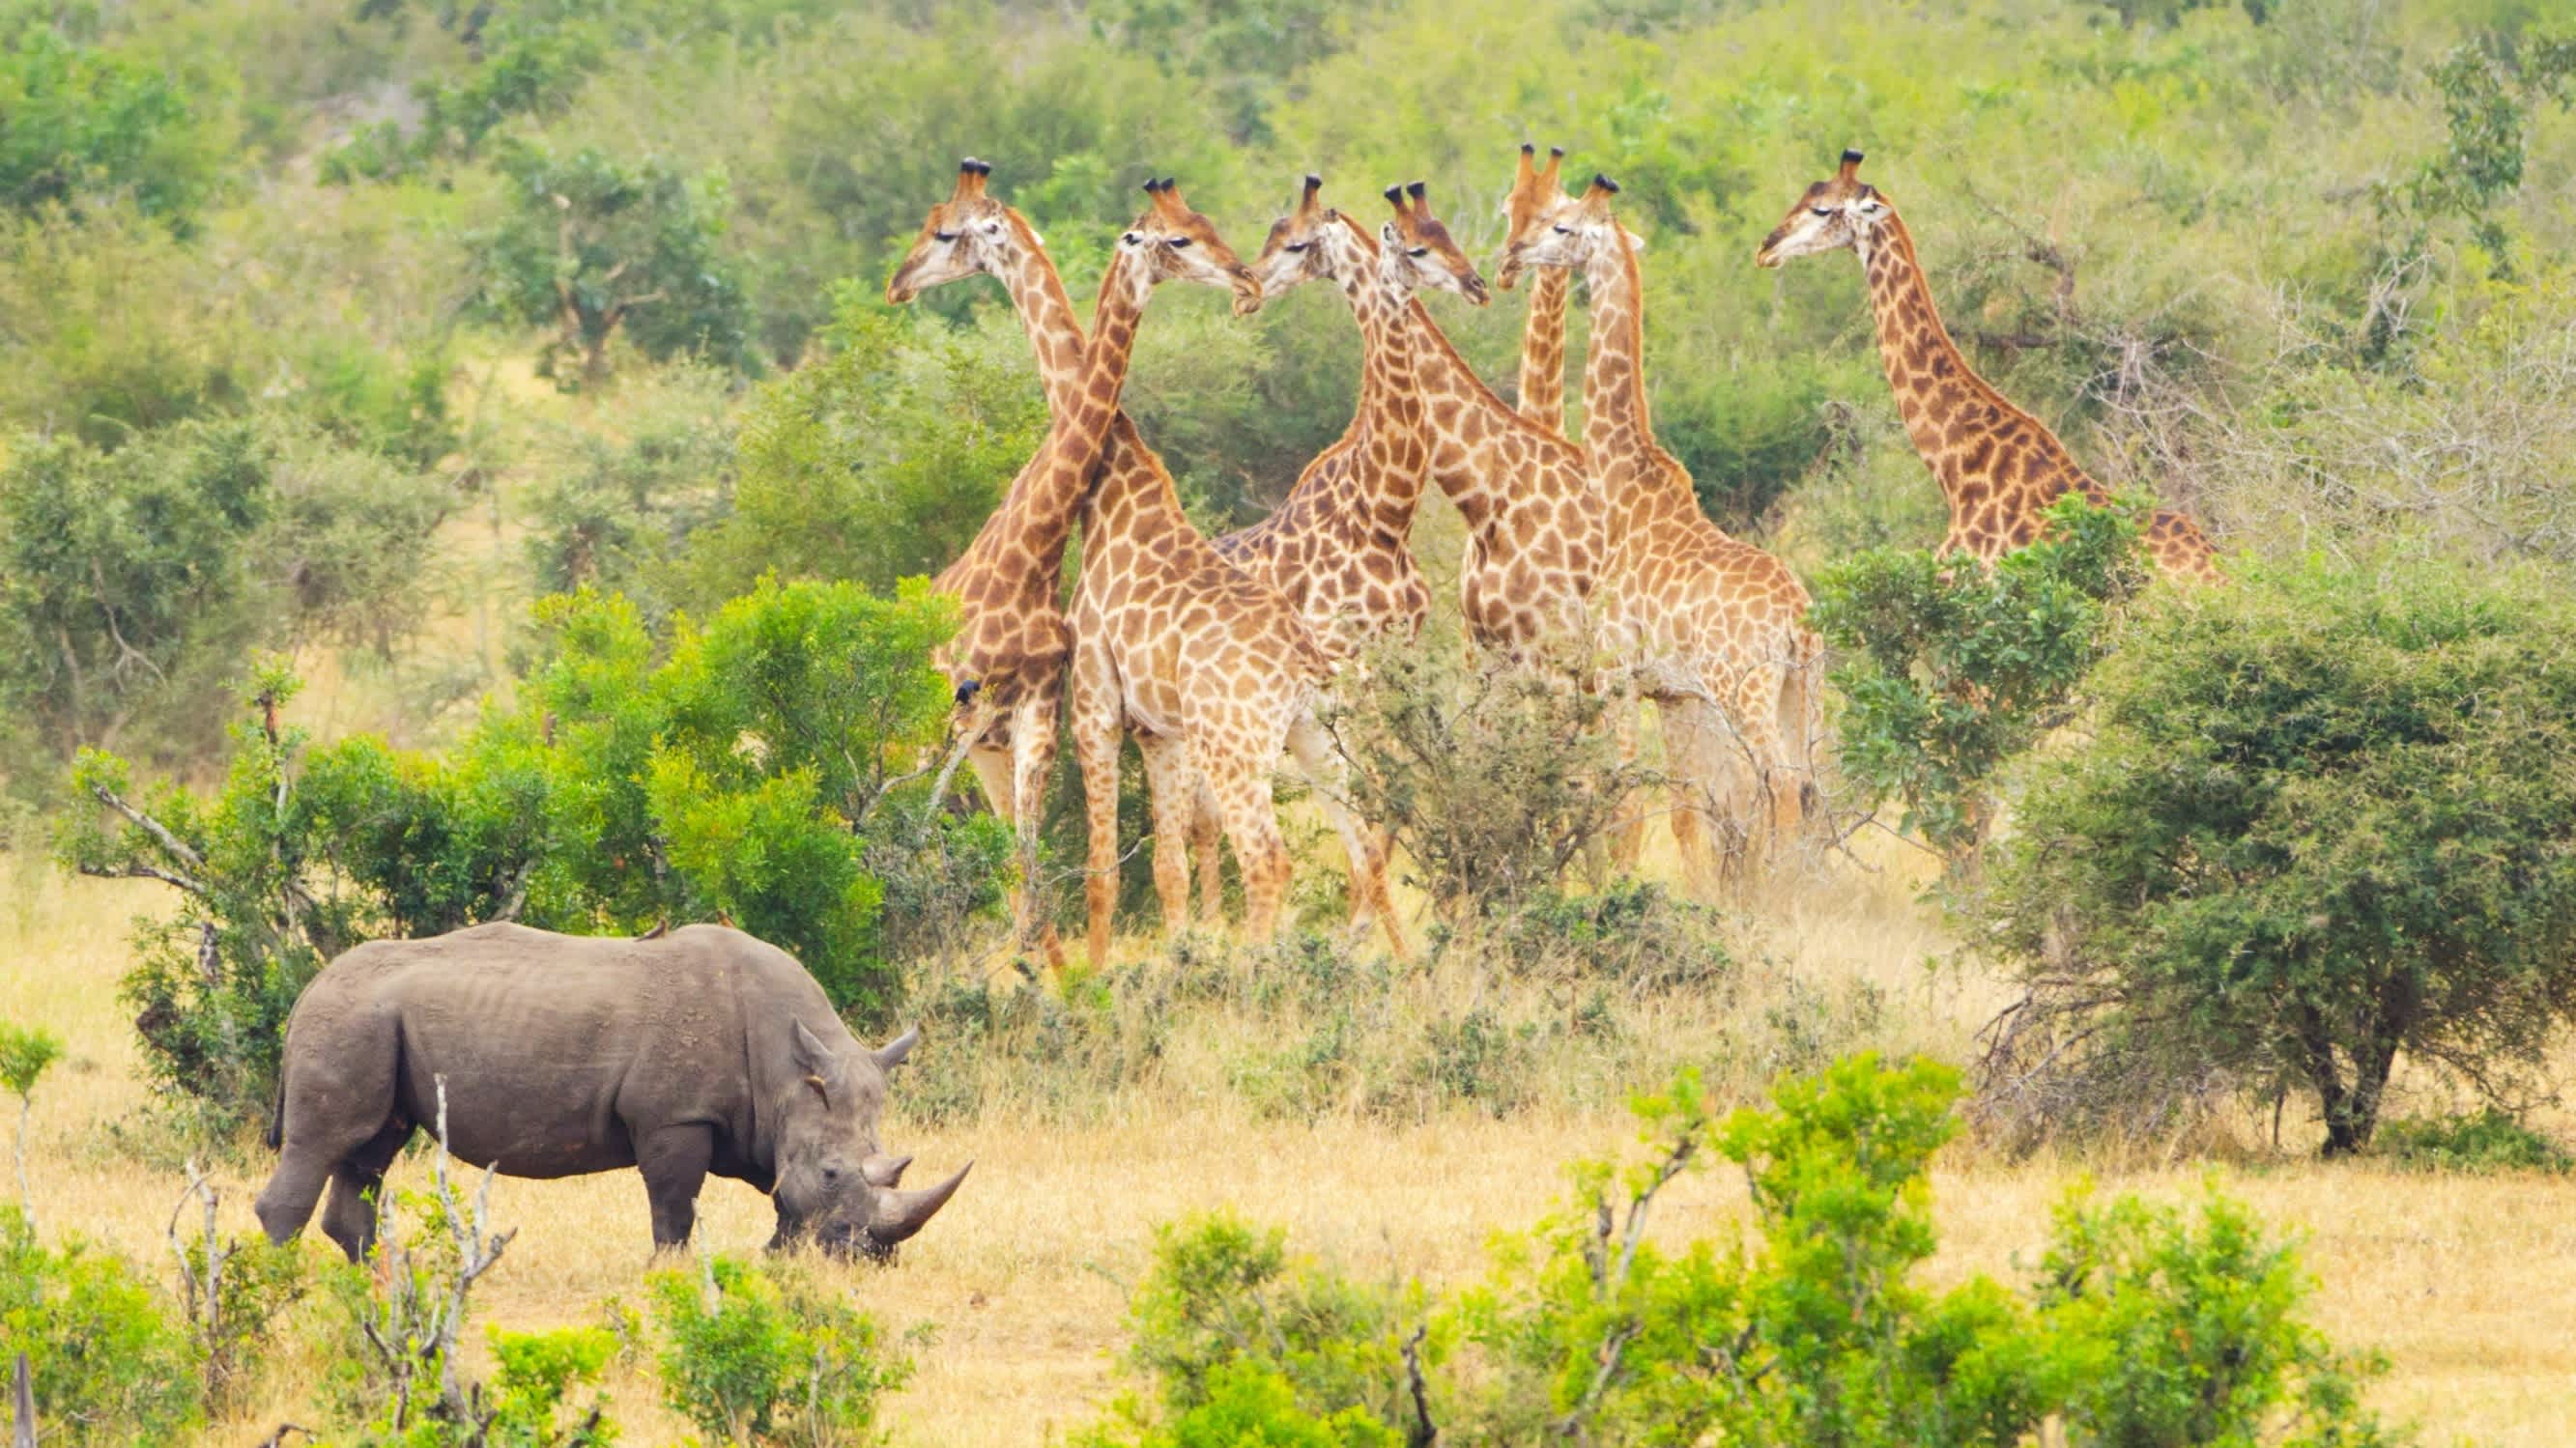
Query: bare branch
[{"x": 177, "y": 848}]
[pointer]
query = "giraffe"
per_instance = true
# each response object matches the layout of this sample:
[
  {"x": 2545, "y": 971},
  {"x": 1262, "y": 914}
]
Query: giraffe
[
  {"x": 1999, "y": 467},
  {"x": 1542, "y": 381},
  {"x": 1009, "y": 658},
  {"x": 1192, "y": 656},
  {"x": 1713, "y": 627},
  {"x": 1338, "y": 546}
]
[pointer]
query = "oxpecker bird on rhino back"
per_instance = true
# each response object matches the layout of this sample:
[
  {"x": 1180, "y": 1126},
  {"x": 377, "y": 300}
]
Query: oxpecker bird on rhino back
[{"x": 700, "y": 1051}]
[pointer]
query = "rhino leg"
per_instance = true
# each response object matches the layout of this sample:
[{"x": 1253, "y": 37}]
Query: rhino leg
[
  {"x": 674, "y": 1161},
  {"x": 350, "y": 1219}
]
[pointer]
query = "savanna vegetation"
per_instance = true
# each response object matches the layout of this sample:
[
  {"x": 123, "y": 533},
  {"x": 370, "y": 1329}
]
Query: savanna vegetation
[{"x": 458, "y": 463}]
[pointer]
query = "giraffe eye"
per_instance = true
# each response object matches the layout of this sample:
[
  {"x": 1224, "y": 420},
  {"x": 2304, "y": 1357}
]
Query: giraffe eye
[
  {"x": 1297, "y": 246},
  {"x": 1176, "y": 243},
  {"x": 1824, "y": 210},
  {"x": 1565, "y": 231},
  {"x": 1419, "y": 251},
  {"x": 944, "y": 235}
]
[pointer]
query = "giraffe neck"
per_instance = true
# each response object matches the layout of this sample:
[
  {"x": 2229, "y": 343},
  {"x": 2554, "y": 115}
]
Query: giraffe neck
[
  {"x": 1388, "y": 423},
  {"x": 1642, "y": 483},
  {"x": 1443, "y": 379},
  {"x": 1046, "y": 315},
  {"x": 1044, "y": 510},
  {"x": 1542, "y": 386},
  {"x": 1949, "y": 410}
]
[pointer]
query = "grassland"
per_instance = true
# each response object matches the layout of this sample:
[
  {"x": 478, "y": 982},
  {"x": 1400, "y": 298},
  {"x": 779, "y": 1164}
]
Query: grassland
[{"x": 2467, "y": 1283}]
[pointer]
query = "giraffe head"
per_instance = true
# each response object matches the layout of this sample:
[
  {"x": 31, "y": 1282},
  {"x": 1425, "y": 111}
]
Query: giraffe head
[
  {"x": 1171, "y": 243},
  {"x": 1835, "y": 213},
  {"x": 1536, "y": 193},
  {"x": 968, "y": 233},
  {"x": 1421, "y": 252},
  {"x": 1315, "y": 242},
  {"x": 1570, "y": 233}
]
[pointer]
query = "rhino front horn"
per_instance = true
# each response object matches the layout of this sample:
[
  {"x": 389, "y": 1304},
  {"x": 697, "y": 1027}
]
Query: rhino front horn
[{"x": 900, "y": 1214}]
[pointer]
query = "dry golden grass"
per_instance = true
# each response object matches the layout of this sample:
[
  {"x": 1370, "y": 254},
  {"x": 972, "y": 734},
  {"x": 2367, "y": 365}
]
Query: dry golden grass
[{"x": 2469, "y": 1283}]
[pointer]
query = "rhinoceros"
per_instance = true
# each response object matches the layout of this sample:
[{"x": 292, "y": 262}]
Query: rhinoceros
[{"x": 703, "y": 1050}]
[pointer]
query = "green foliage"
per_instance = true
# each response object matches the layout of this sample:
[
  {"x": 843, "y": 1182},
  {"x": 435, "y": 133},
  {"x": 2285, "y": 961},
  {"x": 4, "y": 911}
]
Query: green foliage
[
  {"x": 2487, "y": 1140},
  {"x": 86, "y": 120},
  {"x": 1496, "y": 778},
  {"x": 765, "y": 1357},
  {"x": 212, "y": 986},
  {"x": 2142, "y": 1324},
  {"x": 133, "y": 584},
  {"x": 109, "y": 1366},
  {"x": 1952, "y": 669},
  {"x": 877, "y": 459},
  {"x": 594, "y": 246},
  {"x": 2324, "y": 818},
  {"x": 620, "y": 507},
  {"x": 2175, "y": 1331},
  {"x": 1223, "y": 1295},
  {"x": 25, "y": 1052}
]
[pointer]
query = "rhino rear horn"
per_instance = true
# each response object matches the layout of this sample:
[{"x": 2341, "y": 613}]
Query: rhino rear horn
[
  {"x": 891, "y": 1054},
  {"x": 885, "y": 1172},
  {"x": 900, "y": 1214}
]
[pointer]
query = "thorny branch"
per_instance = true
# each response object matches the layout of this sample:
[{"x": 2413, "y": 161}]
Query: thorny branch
[{"x": 1610, "y": 1277}]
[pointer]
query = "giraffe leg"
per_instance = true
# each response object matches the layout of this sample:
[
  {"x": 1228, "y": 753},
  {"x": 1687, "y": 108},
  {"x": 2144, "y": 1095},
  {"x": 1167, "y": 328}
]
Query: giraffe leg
[
  {"x": 1174, "y": 789},
  {"x": 996, "y": 770},
  {"x": 1240, "y": 785},
  {"x": 1628, "y": 834},
  {"x": 1760, "y": 702},
  {"x": 1365, "y": 846},
  {"x": 1033, "y": 746},
  {"x": 1207, "y": 850},
  {"x": 1095, "y": 750}
]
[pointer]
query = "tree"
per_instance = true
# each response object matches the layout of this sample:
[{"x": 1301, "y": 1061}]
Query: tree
[
  {"x": 593, "y": 247},
  {"x": 85, "y": 119},
  {"x": 2326, "y": 817},
  {"x": 1953, "y": 669}
]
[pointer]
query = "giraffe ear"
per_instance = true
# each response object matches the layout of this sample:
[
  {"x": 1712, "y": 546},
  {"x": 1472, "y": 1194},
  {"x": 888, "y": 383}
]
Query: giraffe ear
[{"x": 1635, "y": 242}]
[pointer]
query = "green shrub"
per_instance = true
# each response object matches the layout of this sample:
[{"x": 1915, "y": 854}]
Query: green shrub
[
  {"x": 877, "y": 459},
  {"x": 2174, "y": 1331},
  {"x": 596, "y": 248},
  {"x": 1247, "y": 1406},
  {"x": 109, "y": 1365},
  {"x": 2325, "y": 817},
  {"x": 1496, "y": 778},
  {"x": 1952, "y": 669},
  {"x": 2490, "y": 1140},
  {"x": 765, "y": 1357},
  {"x": 1223, "y": 1294},
  {"x": 85, "y": 119}
]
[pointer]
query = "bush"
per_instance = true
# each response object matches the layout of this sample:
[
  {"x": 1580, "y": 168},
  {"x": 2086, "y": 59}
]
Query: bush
[
  {"x": 2326, "y": 817},
  {"x": 110, "y": 1367},
  {"x": 1495, "y": 778},
  {"x": 596, "y": 248},
  {"x": 2490, "y": 1140},
  {"x": 84, "y": 119},
  {"x": 133, "y": 584},
  {"x": 2142, "y": 1325},
  {"x": 1223, "y": 1297},
  {"x": 878, "y": 459},
  {"x": 756, "y": 1357},
  {"x": 1953, "y": 669}
]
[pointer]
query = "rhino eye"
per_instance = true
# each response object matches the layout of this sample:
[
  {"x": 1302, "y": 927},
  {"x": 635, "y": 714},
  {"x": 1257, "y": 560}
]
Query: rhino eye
[{"x": 831, "y": 1174}]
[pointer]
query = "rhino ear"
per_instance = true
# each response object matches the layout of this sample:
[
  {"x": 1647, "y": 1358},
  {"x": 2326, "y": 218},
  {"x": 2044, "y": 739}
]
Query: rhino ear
[
  {"x": 891, "y": 1054},
  {"x": 812, "y": 1056}
]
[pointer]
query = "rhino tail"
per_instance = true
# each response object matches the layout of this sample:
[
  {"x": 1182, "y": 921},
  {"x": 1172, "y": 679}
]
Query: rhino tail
[{"x": 275, "y": 1136}]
